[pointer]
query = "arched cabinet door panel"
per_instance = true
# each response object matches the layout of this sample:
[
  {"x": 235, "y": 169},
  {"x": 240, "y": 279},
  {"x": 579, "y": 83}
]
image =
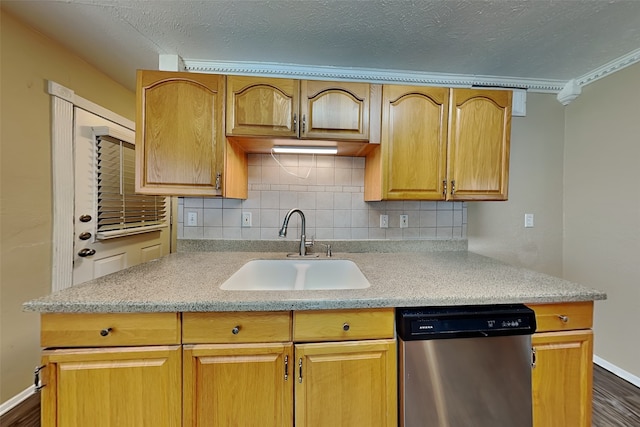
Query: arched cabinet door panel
[
  {"x": 480, "y": 131},
  {"x": 179, "y": 139}
]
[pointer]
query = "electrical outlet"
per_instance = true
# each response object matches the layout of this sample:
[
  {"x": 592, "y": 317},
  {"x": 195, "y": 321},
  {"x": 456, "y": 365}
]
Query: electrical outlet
[
  {"x": 384, "y": 221},
  {"x": 404, "y": 221},
  {"x": 192, "y": 218},
  {"x": 246, "y": 219},
  {"x": 528, "y": 220}
]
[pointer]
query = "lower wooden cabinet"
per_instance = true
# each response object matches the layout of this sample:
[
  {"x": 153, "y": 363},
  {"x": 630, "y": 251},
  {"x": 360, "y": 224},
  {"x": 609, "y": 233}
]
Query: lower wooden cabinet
[
  {"x": 346, "y": 384},
  {"x": 238, "y": 385},
  {"x": 308, "y": 369},
  {"x": 562, "y": 376},
  {"x": 120, "y": 386},
  {"x": 255, "y": 384},
  {"x": 331, "y": 371}
]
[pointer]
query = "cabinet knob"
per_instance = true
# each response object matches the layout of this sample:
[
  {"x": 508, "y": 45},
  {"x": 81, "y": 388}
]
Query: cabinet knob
[
  {"x": 235, "y": 330},
  {"x": 106, "y": 331},
  {"x": 85, "y": 218},
  {"x": 346, "y": 327},
  {"x": 563, "y": 318}
]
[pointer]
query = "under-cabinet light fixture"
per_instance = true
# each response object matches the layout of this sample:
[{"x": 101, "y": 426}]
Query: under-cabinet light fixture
[{"x": 304, "y": 150}]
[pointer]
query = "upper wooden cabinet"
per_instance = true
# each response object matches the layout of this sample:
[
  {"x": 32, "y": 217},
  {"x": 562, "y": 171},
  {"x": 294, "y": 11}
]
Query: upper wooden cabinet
[
  {"x": 273, "y": 107},
  {"x": 479, "y": 134},
  {"x": 441, "y": 144},
  {"x": 262, "y": 106},
  {"x": 180, "y": 143},
  {"x": 411, "y": 160}
]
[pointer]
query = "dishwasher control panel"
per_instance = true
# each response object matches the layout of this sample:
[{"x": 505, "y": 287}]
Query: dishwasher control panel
[{"x": 464, "y": 321}]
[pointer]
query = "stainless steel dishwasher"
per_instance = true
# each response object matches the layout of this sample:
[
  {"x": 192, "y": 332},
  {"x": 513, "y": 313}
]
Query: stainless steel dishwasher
[{"x": 465, "y": 366}]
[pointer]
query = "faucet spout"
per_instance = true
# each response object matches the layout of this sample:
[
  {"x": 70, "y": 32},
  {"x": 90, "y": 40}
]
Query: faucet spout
[{"x": 303, "y": 240}]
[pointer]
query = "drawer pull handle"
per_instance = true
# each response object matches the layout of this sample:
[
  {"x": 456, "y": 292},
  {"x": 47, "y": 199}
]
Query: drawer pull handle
[
  {"x": 346, "y": 327},
  {"x": 563, "y": 318},
  {"x": 105, "y": 332},
  {"x": 236, "y": 330}
]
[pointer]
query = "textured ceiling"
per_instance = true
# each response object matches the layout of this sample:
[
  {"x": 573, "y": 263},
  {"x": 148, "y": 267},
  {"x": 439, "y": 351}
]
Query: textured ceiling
[{"x": 535, "y": 39}]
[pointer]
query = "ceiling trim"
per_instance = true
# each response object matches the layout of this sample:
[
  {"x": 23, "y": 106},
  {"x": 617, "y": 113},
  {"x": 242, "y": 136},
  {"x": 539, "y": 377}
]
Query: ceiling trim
[
  {"x": 609, "y": 68},
  {"x": 370, "y": 75}
]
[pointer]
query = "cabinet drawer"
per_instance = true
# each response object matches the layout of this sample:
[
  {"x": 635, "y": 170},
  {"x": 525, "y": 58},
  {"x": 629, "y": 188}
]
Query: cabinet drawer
[
  {"x": 343, "y": 325},
  {"x": 234, "y": 327},
  {"x": 109, "y": 329},
  {"x": 564, "y": 316}
]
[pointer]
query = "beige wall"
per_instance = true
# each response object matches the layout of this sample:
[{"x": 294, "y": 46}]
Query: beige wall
[
  {"x": 496, "y": 229},
  {"x": 602, "y": 209},
  {"x": 27, "y": 61},
  {"x": 577, "y": 168}
]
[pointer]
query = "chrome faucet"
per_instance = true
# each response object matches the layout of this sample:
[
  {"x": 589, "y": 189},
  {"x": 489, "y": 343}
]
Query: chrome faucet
[{"x": 303, "y": 239}]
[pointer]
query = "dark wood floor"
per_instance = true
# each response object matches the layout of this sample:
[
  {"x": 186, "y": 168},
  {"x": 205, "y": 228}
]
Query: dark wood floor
[{"x": 616, "y": 403}]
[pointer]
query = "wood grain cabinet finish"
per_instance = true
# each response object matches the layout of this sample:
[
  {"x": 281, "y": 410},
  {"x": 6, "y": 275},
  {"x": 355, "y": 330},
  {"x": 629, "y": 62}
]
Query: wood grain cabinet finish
[
  {"x": 478, "y": 150},
  {"x": 290, "y": 383},
  {"x": 273, "y": 107},
  {"x": 562, "y": 377},
  {"x": 238, "y": 385},
  {"x": 236, "y": 327},
  {"x": 120, "y": 386},
  {"x": 441, "y": 144},
  {"x": 180, "y": 145},
  {"x": 108, "y": 329},
  {"x": 350, "y": 383},
  {"x": 411, "y": 160}
]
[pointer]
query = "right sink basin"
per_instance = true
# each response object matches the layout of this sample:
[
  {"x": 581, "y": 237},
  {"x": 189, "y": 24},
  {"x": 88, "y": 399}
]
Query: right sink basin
[{"x": 296, "y": 274}]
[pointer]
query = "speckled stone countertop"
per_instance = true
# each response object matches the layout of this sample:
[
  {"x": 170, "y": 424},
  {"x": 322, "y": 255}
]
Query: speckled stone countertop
[{"x": 190, "y": 281}]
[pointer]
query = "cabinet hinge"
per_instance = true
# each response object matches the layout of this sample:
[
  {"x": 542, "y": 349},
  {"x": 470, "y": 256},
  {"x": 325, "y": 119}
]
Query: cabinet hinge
[{"x": 36, "y": 378}]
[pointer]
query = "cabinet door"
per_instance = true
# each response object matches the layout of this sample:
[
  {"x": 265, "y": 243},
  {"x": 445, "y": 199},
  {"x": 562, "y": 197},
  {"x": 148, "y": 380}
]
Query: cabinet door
[
  {"x": 124, "y": 387},
  {"x": 478, "y": 157},
  {"x": 261, "y": 106},
  {"x": 352, "y": 383},
  {"x": 562, "y": 379},
  {"x": 413, "y": 146},
  {"x": 179, "y": 138},
  {"x": 238, "y": 385},
  {"x": 334, "y": 110}
]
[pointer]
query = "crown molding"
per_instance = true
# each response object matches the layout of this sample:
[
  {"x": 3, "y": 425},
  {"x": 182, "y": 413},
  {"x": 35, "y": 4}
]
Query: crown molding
[
  {"x": 609, "y": 68},
  {"x": 370, "y": 75},
  {"x": 566, "y": 91}
]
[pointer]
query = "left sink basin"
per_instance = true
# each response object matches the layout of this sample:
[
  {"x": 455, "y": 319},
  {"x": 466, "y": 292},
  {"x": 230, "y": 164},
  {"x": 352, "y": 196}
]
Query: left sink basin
[{"x": 299, "y": 274}]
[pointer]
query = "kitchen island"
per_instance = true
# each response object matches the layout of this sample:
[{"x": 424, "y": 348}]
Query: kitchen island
[{"x": 182, "y": 352}]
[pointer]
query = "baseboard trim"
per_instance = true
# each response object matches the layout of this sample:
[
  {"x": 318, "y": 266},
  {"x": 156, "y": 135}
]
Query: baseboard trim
[
  {"x": 16, "y": 400},
  {"x": 627, "y": 376}
]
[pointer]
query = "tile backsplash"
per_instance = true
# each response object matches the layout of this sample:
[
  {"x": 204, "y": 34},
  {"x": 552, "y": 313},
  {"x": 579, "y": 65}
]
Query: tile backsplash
[{"x": 330, "y": 192}]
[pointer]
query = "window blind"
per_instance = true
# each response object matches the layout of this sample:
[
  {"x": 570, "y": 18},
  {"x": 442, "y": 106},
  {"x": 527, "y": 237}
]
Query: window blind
[{"x": 121, "y": 211}]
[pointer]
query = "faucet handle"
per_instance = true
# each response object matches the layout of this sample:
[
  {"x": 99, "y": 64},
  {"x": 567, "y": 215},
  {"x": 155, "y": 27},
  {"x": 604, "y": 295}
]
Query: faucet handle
[
  {"x": 328, "y": 247},
  {"x": 310, "y": 243}
]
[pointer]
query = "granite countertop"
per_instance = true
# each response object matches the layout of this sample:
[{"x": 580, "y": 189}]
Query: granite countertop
[{"x": 190, "y": 281}]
